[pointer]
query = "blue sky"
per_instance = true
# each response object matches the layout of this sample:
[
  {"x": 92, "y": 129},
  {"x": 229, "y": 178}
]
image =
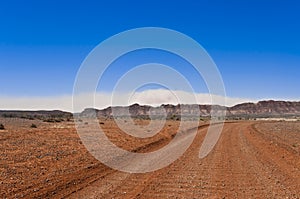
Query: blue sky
[{"x": 255, "y": 44}]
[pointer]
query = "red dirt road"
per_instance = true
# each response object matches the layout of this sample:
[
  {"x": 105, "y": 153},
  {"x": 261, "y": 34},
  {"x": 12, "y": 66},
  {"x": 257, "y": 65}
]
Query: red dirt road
[
  {"x": 250, "y": 160},
  {"x": 246, "y": 163}
]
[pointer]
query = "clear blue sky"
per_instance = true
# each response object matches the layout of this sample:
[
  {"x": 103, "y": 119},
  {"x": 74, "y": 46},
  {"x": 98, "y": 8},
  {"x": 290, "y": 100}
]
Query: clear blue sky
[{"x": 255, "y": 44}]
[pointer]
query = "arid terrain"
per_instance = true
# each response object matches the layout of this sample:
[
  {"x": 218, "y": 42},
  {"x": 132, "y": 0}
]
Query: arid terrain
[{"x": 252, "y": 159}]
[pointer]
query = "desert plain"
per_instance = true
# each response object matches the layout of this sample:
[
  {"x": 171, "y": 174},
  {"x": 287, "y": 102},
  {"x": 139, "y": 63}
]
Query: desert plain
[{"x": 252, "y": 159}]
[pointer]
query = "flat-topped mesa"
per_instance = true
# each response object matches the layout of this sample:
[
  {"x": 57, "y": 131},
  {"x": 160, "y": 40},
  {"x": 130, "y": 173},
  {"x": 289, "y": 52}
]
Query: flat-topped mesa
[{"x": 42, "y": 114}]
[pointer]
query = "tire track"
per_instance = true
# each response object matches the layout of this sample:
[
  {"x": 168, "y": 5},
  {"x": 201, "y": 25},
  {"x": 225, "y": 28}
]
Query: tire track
[
  {"x": 243, "y": 164},
  {"x": 113, "y": 184}
]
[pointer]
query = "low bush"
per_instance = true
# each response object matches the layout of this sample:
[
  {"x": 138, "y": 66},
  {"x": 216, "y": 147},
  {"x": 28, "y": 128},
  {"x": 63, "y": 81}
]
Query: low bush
[
  {"x": 33, "y": 126},
  {"x": 2, "y": 127}
]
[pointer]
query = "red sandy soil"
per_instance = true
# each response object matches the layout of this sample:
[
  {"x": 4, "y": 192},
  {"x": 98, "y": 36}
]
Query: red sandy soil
[{"x": 250, "y": 160}]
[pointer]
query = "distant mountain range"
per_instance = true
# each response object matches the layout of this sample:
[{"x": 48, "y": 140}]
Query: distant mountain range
[
  {"x": 261, "y": 109},
  {"x": 245, "y": 110}
]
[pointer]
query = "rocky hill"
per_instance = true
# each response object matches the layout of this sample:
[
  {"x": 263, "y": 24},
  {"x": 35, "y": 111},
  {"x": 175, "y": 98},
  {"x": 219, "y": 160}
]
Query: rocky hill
[{"x": 266, "y": 108}]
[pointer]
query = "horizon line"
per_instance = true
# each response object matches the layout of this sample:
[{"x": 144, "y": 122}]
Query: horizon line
[{"x": 52, "y": 110}]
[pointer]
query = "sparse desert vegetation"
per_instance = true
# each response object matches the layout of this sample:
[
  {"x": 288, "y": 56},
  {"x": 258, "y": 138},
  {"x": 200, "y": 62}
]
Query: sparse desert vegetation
[{"x": 33, "y": 126}]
